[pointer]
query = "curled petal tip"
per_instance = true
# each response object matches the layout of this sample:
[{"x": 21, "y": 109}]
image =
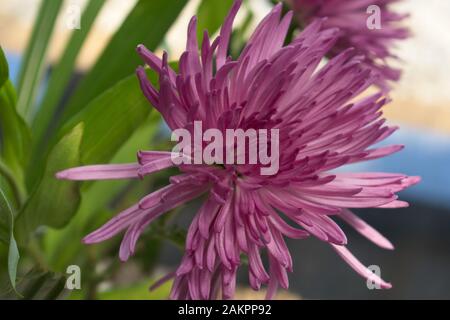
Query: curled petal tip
[
  {"x": 415, "y": 179},
  {"x": 61, "y": 175},
  {"x": 86, "y": 240},
  {"x": 123, "y": 258},
  {"x": 90, "y": 239},
  {"x": 140, "y": 47},
  {"x": 386, "y": 285},
  {"x": 278, "y": 6}
]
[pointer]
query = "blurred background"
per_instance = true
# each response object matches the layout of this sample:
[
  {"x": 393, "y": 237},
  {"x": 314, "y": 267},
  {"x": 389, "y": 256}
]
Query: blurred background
[{"x": 419, "y": 266}]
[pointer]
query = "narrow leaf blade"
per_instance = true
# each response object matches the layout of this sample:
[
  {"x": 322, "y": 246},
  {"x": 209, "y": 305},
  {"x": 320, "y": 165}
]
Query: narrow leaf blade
[
  {"x": 15, "y": 138},
  {"x": 110, "y": 120},
  {"x": 147, "y": 23},
  {"x": 63, "y": 71},
  {"x": 32, "y": 68},
  {"x": 7, "y": 221},
  {"x": 4, "y": 70}
]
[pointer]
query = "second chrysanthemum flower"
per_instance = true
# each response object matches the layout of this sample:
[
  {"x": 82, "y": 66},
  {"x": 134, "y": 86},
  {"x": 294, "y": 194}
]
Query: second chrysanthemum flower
[{"x": 371, "y": 27}]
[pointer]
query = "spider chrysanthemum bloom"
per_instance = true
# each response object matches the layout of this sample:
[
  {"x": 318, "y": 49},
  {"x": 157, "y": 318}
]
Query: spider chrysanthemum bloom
[
  {"x": 322, "y": 126},
  {"x": 369, "y": 26}
]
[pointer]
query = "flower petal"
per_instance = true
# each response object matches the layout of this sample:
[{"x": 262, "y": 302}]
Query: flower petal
[
  {"x": 356, "y": 265},
  {"x": 101, "y": 172}
]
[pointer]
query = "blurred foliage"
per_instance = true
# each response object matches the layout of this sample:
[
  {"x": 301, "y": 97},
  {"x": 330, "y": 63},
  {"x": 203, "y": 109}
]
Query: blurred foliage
[
  {"x": 7, "y": 236},
  {"x": 137, "y": 291},
  {"x": 33, "y": 65},
  {"x": 38, "y": 285}
]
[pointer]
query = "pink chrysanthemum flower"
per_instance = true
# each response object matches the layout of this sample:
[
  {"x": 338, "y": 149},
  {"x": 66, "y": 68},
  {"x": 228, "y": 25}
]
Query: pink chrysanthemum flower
[
  {"x": 352, "y": 17},
  {"x": 321, "y": 127}
]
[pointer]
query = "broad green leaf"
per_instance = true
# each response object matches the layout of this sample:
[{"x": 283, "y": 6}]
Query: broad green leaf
[
  {"x": 11, "y": 185},
  {"x": 62, "y": 72},
  {"x": 33, "y": 65},
  {"x": 39, "y": 285},
  {"x": 7, "y": 222},
  {"x": 4, "y": 70},
  {"x": 14, "y": 132},
  {"x": 64, "y": 246},
  {"x": 99, "y": 194},
  {"x": 105, "y": 133},
  {"x": 53, "y": 203},
  {"x": 147, "y": 23},
  {"x": 211, "y": 14},
  {"x": 14, "y": 136},
  {"x": 6, "y": 180},
  {"x": 110, "y": 120}
]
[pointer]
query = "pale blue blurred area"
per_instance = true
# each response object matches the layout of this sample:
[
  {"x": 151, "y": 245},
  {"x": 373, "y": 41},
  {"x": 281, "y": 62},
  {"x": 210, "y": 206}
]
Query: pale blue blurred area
[
  {"x": 14, "y": 65},
  {"x": 14, "y": 61},
  {"x": 427, "y": 155}
]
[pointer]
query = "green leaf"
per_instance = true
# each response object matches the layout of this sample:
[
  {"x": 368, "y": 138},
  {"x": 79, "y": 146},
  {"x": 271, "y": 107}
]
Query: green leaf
[
  {"x": 32, "y": 68},
  {"x": 107, "y": 123},
  {"x": 14, "y": 136},
  {"x": 61, "y": 74},
  {"x": 40, "y": 285},
  {"x": 147, "y": 23},
  {"x": 10, "y": 185},
  {"x": 211, "y": 14},
  {"x": 7, "y": 222},
  {"x": 64, "y": 246},
  {"x": 110, "y": 120},
  {"x": 99, "y": 194},
  {"x": 4, "y": 70},
  {"x": 53, "y": 203}
]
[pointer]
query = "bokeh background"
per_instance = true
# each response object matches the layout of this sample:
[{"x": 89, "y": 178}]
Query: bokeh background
[{"x": 419, "y": 267}]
